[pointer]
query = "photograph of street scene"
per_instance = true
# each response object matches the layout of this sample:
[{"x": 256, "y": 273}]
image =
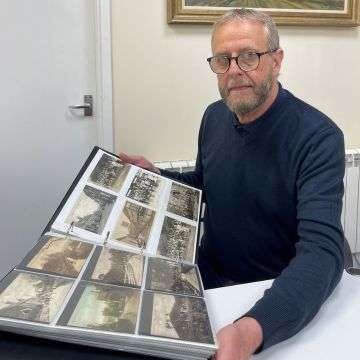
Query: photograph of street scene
[
  {"x": 173, "y": 277},
  {"x": 59, "y": 255},
  {"x": 178, "y": 317},
  {"x": 184, "y": 201},
  {"x": 177, "y": 240},
  {"x": 110, "y": 173},
  {"x": 145, "y": 188},
  {"x": 91, "y": 210},
  {"x": 107, "y": 308},
  {"x": 133, "y": 225},
  {"x": 33, "y": 297},
  {"x": 118, "y": 267}
]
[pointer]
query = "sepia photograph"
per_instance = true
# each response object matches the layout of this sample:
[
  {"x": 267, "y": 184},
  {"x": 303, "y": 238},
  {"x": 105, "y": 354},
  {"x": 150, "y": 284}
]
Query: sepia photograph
[
  {"x": 284, "y": 12},
  {"x": 177, "y": 240},
  {"x": 184, "y": 201},
  {"x": 58, "y": 255},
  {"x": 173, "y": 277},
  {"x": 91, "y": 210},
  {"x": 110, "y": 173},
  {"x": 117, "y": 267},
  {"x": 33, "y": 297},
  {"x": 107, "y": 308},
  {"x": 177, "y": 317},
  {"x": 133, "y": 225},
  {"x": 145, "y": 188}
]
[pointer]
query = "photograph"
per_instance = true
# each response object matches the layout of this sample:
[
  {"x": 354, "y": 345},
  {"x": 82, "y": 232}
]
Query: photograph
[
  {"x": 91, "y": 210},
  {"x": 173, "y": 277},
  {"x": 177, "y": 240},
  {"x": 184, "y": 201},
  {"x": 177, "y": 317},
  {"x": 33, "y": 297},
  {"x": 58, "y": 255},
  {"x": 133, "y": 226},
  {"x": 145, "y": 188},
  {"x": 109, "y": 173},
  {"x": 284, "y": 12},
  {"x": 108, "y": 308},
  {"x": 118, "y": 267}
]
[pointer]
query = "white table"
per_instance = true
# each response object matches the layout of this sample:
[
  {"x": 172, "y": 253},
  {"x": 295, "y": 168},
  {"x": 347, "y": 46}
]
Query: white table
[{"x": 332, "y": 335}]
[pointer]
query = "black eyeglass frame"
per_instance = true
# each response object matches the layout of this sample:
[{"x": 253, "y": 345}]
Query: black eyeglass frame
[{"x": 229, "y": 58}]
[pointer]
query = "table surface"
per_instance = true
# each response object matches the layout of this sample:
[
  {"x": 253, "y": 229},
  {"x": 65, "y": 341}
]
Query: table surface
[{"x": 331, "y": 335}]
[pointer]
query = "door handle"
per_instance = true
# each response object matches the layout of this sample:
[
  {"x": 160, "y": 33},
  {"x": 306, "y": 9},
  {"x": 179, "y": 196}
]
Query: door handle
[{"x": 87, "y": 106}]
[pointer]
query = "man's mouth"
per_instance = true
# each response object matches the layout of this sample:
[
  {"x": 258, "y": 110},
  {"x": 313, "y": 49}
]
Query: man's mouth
[{"x": 238, "y": 88}]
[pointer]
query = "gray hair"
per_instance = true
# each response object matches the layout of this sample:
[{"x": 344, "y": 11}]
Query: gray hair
[{"x": 243, "y": 14}]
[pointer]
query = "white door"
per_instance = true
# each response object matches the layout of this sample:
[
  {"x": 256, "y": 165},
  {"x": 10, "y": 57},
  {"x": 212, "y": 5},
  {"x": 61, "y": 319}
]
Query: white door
[{"x": 47, "y": 62}]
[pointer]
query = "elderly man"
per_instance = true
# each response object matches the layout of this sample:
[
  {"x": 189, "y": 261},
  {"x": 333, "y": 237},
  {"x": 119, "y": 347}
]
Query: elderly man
[{"x": 271, "y": 168}]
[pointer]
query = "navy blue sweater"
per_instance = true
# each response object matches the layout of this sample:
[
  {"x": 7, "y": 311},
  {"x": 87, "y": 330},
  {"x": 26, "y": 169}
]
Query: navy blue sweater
[{"x": 273, "y": 190}]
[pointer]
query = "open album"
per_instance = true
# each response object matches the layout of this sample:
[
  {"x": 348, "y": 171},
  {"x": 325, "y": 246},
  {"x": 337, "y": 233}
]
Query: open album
[{"x": 115, "y": 267}]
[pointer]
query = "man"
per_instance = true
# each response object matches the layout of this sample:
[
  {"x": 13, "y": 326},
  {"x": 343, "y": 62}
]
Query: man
[{"x": 271, "y": 167}]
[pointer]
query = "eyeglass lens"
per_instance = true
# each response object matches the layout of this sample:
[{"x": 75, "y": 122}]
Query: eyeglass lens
[{"x": 246, "y": 62}]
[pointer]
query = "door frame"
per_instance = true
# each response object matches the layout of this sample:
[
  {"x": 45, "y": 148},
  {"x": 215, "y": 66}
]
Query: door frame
[{"x": 104, "y": 102}]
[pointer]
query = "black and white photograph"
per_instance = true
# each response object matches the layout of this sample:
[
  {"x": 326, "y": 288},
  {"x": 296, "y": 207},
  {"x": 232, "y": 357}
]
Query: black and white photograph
[
  {"x": 173, "y": 277},
  {"x": 133, "y": 225},
  {"x": 177, "y": 240},
  {"x": 91, "y": 210},
  {"x": 117, "y": 267},
  {"x": 32, "y": 297},
  {"x": 178, "y": 317},
  {"x": 104, "y": 307},
  {"x": 109, "y": 173},
  {"x": 184, "y": 201},
  {"x": 58, "y": 255},
  {"x": 145, "y": 188}
]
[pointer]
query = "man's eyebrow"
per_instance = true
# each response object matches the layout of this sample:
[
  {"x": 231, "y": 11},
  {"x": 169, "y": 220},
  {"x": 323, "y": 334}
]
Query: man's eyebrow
[
  {"x": 222, "y": 54},
  {"x": 243, "y": 50},
  {"x": 247, "y": 49}
]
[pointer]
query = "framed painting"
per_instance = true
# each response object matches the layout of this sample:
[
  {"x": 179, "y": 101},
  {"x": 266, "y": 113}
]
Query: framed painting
[{"x": 284, "y": 12}]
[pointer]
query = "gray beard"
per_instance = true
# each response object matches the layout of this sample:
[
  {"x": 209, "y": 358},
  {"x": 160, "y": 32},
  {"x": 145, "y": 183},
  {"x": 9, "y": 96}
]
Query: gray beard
[{"x": 243, "y": 107}]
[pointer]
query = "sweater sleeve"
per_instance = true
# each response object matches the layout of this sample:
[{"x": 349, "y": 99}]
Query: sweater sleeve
[{"x": 311, "y": 276}]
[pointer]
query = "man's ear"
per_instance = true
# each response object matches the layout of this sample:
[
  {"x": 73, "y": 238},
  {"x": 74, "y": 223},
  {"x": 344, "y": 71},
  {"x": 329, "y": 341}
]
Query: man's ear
[{"x": 278, "y": 56}]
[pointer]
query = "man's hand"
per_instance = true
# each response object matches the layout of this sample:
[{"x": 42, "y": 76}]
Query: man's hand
[
  {"x": 139, "y": 161},
  {"x": 238, "y": 341}
]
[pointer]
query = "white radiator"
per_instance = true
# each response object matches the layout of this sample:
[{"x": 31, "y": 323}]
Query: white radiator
[
  {"x": 176, "y": 165},
  {"x": 350, "y": 217}
]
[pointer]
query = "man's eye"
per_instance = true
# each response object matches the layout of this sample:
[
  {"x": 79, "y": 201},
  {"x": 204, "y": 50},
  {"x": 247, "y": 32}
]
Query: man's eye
[
  {"x": 221, "y": 60},
  {"x": 249, "y": 55}
]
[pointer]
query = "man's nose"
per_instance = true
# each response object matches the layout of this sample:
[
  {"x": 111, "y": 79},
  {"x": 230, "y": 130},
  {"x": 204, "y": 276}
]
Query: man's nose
[{"x": 234, "y": 67}]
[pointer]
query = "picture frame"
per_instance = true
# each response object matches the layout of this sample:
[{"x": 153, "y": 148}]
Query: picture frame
[{"x": 338, "y": 12}]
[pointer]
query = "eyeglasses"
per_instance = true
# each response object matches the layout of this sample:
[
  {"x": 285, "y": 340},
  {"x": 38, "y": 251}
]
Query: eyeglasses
[{"x": 246, "y": 61}]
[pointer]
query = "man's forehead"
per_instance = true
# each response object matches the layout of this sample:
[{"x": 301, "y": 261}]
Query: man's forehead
[{"x": 238, "y": 31}]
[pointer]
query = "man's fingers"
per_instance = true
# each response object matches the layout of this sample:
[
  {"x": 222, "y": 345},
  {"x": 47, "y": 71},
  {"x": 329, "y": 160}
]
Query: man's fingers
[
  {"x": 126, "y": 158},
  {"x": 138, "y": 161}
]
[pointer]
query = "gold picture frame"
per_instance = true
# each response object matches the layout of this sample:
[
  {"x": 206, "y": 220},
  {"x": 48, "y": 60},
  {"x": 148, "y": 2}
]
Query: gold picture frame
[{"x": 206, "y": 12}]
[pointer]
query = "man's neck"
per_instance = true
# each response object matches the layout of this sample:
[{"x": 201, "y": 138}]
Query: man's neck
[{"x": 260, "y": 110}]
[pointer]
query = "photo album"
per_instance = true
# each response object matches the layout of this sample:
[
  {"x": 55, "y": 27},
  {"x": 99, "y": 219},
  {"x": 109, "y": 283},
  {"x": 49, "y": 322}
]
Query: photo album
[{"x": 115, "y": 267}]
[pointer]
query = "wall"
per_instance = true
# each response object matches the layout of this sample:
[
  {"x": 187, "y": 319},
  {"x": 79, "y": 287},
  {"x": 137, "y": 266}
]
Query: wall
[{"x": 162, "y": 82}]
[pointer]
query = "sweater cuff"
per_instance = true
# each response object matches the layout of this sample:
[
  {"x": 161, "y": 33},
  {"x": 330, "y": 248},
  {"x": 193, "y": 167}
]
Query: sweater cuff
[
  {"x": 277, "y": 319},
  {"x": 168, "y": 173}
]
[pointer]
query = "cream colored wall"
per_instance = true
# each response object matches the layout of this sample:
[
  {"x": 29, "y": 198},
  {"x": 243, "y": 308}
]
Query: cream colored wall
[{"x": 162, "y": 83}]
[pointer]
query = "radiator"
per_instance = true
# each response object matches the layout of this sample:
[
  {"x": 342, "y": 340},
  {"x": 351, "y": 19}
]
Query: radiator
[
  {"x": 350, "y": 217},
  {"x": 350, "y": 213}
]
